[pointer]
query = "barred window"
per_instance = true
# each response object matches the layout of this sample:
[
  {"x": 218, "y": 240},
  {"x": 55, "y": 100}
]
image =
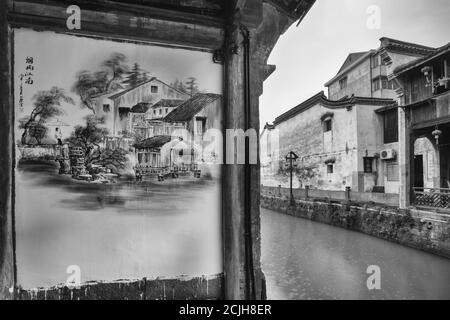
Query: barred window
[{"x": 391, "y": 126}]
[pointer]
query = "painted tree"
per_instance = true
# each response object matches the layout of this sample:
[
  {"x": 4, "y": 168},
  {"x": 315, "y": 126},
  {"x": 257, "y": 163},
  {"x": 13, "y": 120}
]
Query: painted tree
[
  {"x": 115, "y": 159},
  {"x": 179, "y": 85},
  {"x": 89, "y": 137},
  {"x": 192, "y": 86},
  {"x": 117, "y": 68},
  {"x": 136, "y": 76},
  {"x": 91, "y": 84},
  {"x": 47, "y": 104}
]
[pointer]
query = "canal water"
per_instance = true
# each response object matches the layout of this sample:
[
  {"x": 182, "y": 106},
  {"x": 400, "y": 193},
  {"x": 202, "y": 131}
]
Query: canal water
[
  {"x": 115, "y": 231},
  {"x": 306, "y": 260}
]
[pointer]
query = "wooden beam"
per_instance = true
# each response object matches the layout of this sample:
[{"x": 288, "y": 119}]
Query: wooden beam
[{"x": 148, "y": 26}]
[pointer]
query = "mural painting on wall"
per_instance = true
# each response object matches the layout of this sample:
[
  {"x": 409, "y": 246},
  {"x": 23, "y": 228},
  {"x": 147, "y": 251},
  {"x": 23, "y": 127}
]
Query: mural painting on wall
[{"x": 116, "y": 172}]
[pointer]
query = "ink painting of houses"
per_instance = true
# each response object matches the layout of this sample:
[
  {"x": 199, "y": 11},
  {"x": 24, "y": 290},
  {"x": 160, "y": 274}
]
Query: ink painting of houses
[{"x": 118, "y": 159}]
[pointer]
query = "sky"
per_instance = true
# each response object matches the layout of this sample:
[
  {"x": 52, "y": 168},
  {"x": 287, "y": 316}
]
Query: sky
[
  {"x": 309, "y": 55},
  {"x": 57, "y": 58}
]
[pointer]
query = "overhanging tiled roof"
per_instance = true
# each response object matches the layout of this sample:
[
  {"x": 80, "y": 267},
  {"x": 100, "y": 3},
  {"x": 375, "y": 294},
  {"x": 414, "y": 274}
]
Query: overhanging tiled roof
[
  {"x": 153, "y": 142},
  {"x": 296, "y": 9},
  {"x": 405, "y": 47},
  {"x": 418, "y": 62},
  {"x": 188, "y": 109},
  {"x": 141, "y": 107},
  {"x": 167, "y": 103},
  {"x": 321, "y": 99}
]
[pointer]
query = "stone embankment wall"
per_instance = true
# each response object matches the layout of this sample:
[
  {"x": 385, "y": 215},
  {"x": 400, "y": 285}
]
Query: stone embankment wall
[
  {"x": 183, "y": 288},
  {"x": 428, "y": 233}
]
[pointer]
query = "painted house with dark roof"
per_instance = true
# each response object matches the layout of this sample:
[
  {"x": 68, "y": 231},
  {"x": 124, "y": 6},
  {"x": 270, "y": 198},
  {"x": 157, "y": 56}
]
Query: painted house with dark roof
[
  {"x": 199, "y": 114},
  {"x": 116, "y": 107},
  {"x": 145, "y": 119},
  {"x": 366, "y": 73}
]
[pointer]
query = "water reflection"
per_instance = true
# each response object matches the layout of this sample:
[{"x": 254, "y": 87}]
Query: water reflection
[
  {"x": 115, "y": 231},
  {"x": 308, "y": 260}
]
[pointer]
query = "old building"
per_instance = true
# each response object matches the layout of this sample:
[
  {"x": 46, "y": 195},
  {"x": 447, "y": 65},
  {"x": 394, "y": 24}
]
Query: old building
[
  {"x": 424, "y": 122},
  {"x": 182, "y": 130},
  {"x": 199, "y": 115},
  {"x": 146, "y": 120},
  {"x": 349, "y": 139},
  {"x": 336, "y": 145},
  {"x": 117, "y": 107},
  {"x": 365, "y": 74}
]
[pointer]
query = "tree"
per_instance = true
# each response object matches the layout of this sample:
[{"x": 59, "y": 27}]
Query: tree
[
  {"x": 191, "y": 86},
  {"x": 89, "y": 137},
  {"x": 117, "y": 68},
  {"x": 113, "y": 159},
  {"x": 88, "y": 85},
  {"x": 136, "y": 76},
  {"x": 47, "y": 104},
  {"x": 179, "y": 85},
  {"x": 305, "y": 173}
]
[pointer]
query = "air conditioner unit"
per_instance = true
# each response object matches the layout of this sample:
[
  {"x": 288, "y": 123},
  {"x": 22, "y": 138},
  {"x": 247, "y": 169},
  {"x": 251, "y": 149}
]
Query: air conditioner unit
[{"x": 388, "y": 154}]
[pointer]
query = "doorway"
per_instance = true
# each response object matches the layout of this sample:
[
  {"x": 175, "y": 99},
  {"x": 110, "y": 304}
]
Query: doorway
[{"x": 418, "y": 172}]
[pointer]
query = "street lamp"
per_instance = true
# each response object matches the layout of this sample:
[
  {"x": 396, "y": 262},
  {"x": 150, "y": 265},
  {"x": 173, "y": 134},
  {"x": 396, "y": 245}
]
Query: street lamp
[{"x": 291, "y": 158}]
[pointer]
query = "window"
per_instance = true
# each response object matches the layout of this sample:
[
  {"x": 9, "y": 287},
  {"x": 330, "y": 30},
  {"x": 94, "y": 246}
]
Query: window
[
  {"x": 390, "y": 126},
  {"x": 106, "y": 108},
  {"x": 343, "y": 83},
  {"x": 154, "y": 89},
  {"x": 368, "y": 164},
  {"x": 392, "y": 171},
  {"x": 376, "y": 84},
  {"x": 330, "y": 168},
  {"x": 385, "y": 83},
  {"x": 327, "y": 126},
  {"x": 200, "y": 126},
  {"x": 160, "y": 111},
  {"x": 167, "y": 110}
]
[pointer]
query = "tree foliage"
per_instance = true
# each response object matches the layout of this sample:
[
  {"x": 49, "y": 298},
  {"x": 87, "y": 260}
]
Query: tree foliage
[
  {"x": 89, "y": 137},
  {"x": 47, "y": 104},
  {"x": 192, "y": 86},
  {"x": 90, "y": 84},
  {"x": 136, "y": 76}
]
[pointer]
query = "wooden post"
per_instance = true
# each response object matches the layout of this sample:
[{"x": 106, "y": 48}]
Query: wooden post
[
  {"x": 347, "y": 193},
  {"x": 7, "y": 256}
]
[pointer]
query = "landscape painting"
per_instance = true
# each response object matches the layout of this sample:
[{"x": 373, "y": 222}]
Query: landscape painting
[{"x": 118, "y": 165}]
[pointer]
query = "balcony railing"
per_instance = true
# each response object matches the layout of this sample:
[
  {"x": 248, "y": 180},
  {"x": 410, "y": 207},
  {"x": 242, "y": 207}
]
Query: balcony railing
[{"x": 432, "y": 197}]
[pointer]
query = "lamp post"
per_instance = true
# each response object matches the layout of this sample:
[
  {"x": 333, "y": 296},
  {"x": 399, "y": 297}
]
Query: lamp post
[{"x": 291, "y": 158}]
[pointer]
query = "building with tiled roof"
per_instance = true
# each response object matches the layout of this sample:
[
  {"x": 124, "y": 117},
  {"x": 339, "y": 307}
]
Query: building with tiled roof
[
  {"x": 339, "y": 144},
  {"x": 117, "y": 108},
  {"x": 190, "y": 108},
  {"x": 365, "y": 74}
]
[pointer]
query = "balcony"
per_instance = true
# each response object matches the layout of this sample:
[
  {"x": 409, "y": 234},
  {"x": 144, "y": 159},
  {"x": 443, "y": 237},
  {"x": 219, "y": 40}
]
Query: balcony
[{"x": 437, "y": 198}]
